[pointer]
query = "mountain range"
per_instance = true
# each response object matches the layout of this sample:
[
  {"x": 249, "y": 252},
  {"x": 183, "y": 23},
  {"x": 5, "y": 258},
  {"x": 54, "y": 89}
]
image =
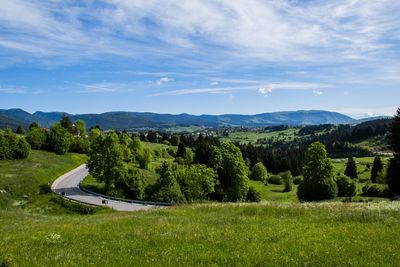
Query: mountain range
[{"x": 119, "y": 120}]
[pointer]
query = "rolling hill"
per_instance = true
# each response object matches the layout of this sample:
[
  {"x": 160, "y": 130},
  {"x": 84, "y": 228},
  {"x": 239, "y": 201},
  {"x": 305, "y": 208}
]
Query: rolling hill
[
  {"x": 129, "y": 120},
  {"x": 10, "y": 122}
]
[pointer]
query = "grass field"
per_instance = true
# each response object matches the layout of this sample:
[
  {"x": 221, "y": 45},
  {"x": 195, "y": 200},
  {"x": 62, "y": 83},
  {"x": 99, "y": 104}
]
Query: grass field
[
  {"x": 363, "y": 172},
  {"x": 27, "y": 177},
  {"x": 266, "y": 234},
  {"x": 251, "y": 137}
]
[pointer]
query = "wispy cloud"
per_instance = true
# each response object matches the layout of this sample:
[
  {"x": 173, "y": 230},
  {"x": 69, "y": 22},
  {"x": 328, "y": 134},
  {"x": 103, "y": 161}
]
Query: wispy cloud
[
  {"x": 283, "y": 31},
  {"x": 101, "y": 87},
  {"x": 164, "y": 80},
  {"x": 11, "y": 90},
  {"x": 359, "y": 113}
]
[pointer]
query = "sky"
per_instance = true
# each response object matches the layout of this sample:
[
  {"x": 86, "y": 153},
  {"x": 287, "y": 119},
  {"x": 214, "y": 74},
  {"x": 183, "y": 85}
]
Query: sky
[{"x": 200, "y": 56}]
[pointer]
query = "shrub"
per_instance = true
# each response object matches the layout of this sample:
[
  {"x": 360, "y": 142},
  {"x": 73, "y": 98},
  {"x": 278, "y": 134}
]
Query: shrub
[
  {"x": 275, "y": 179},
  {"x": 12, "y": 146},
  {"x": 287, "y": 180},
  {"x": 37, "y": 138},
  {"x": 253, "y": 195},
  {"x": 259, "y": 173},
  {"x": 376, "y": 190},
  {"x": 297, "y": 180},
  {"x": 346, "y": 187}
]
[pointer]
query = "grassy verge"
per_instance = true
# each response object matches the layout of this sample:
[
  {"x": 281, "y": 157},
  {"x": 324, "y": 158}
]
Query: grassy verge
[
  {"x": 26, "y": 181},
  {"x": 266, "y": 234}
]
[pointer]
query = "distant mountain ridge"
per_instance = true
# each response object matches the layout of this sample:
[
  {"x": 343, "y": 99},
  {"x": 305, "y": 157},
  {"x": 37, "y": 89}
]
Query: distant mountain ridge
[{"x": 119, "y": 120}]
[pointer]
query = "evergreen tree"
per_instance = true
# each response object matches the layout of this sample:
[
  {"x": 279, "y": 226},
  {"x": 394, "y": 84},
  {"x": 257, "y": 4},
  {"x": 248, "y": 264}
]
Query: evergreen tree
[
  {"x": 351, "y": 168},
  {"x": 377, "y": 166},
  {"x": 181, "y": 150},
  {"x": 393, "y": 171},
  {"x": 66, "y": 123},
  {"x": 20, "y": 130}
]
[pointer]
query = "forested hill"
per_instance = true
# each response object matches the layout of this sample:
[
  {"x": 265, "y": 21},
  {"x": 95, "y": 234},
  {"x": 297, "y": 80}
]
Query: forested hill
[
  {"x": 129, "y": 120},
  {"x": 10, "y": 122}
]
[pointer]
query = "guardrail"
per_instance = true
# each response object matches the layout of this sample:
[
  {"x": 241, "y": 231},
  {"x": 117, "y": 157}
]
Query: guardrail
[{"x": 128, "y": 200}]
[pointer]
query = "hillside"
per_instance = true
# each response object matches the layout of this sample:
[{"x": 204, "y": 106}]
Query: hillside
[
  {"x": 120, "y": 120},
  {"x": 10, "y": 122},
  {"x": 26, "y": 117}
]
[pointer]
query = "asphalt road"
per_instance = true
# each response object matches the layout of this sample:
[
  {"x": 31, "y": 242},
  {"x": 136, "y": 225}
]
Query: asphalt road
[{"x": 69, "y": 184}]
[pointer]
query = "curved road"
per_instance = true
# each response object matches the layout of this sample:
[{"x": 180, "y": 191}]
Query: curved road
[{"x": 69, "y": 183}]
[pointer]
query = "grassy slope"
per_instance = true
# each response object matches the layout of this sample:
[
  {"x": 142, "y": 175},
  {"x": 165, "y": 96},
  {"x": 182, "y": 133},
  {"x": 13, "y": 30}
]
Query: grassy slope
[
  {"x": 268, "y": 234},
  {"x": 24, "y": 177}
]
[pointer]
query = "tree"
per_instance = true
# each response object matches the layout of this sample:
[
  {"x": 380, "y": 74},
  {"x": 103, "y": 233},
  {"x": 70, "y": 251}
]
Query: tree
[
  {"x": 377, "y": 166},
  {"x": 253, "y": 195},
  {"x": 59, "y": 139},
  {"x": 37, "y": 138},
  {"x": 393, "y": 171},
  {"x": 131, "y": 181},
  {"x": 20, "y": 130},
  {"x": 259, "y": 173},
  {"x": 80, "y": 128},
  {"x": 12, "y": 146},
  {"x": 33, "y": 125},
  {"x": 181, "y": 150},
  {"x": 346, "y": 187},
  {"x": 166, "y": 189},
  {"x": 197, "y": 182},
  {"x": 351, "y": 168},
  {"x": 317, "y": 181},
  {"x": 175, "y": 140},
  {"x": 287, "y": 181},
  {"x": 94, "y": 133},
  {"x": 66, "y": 123},
  {"x": 106, "y": 159},
  {"x": 232, "y": 175}
]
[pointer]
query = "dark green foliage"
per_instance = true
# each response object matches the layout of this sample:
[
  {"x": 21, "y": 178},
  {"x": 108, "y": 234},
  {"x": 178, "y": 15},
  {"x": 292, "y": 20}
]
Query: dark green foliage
[
  {"x": 66, "y": 123},
  {"x": 131, "y": 181},
  {"x": 12, "y": 146},
  {"x": 317, "y": 172},
  {"x": 298, "y": 179},
  {"x": 275, "y": 179},
  {"x": 259, "y": 173},
  {"x": 232, "y": 175},
  {"x": 20, "y": 130},
  {"x": 145, "y": 158},
  {"x": 175, "y": 140},
  {"x": 376, "y": 190},
  {"x": 166, "y": 189},
  {"x": 59, "y": 140},
  {"x": 393, "y": 171},
  {"x": 181, "y": 150},
  {"x": 346, "y": 187},
  {"x": 80, "y": 128},
  {"x": 80, "y": 145},
  {"x": 197, "y": 182},
  {"x": 287, "y": 181},
  {"x": 106, "y": 158},
  {"x": 37, "y": 137},
  {"x": 351, "y": 168},
  {"x": 33, "y": 126},
  {"x": 253, "y": 195},
  {"x": 393, "y": 176},
  {"x": 376, "y": 168}
]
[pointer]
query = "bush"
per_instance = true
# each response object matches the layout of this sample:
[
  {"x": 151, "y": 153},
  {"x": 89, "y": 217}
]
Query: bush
[
  {"x": 80, "y": 145},
  {"x": 298, "y": 179},
  {"x": 346, "y": 187},
  {"x": 275, "y": 179},
  {"x": 259, "y": 173},
  {"x": 132, "y": 183},
  {"x": 287, "y": 180},
  {"x": 376, "y": 190},
  {"x": 12, "y": 146},
  {"x": 253, "y": 195},
  {"x": 37, "y": 138}
]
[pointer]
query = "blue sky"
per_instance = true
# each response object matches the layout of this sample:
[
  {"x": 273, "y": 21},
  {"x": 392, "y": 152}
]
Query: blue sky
[{"x": 200, "y": 56}]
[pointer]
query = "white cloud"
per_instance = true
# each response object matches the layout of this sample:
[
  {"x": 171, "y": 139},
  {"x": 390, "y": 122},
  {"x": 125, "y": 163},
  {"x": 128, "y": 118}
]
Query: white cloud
[
  {"x": 359, "y": 113},
  {"x": 11, "y": 90},
  {"x": 214, "y": 83},
  {"x": 285, "y": 31},
  {"x": 164, "y": 80},
  {"x": 102, "y": 87},
  {"x": 317, "y": 92},
  {"x": 261, "y": 90}
]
